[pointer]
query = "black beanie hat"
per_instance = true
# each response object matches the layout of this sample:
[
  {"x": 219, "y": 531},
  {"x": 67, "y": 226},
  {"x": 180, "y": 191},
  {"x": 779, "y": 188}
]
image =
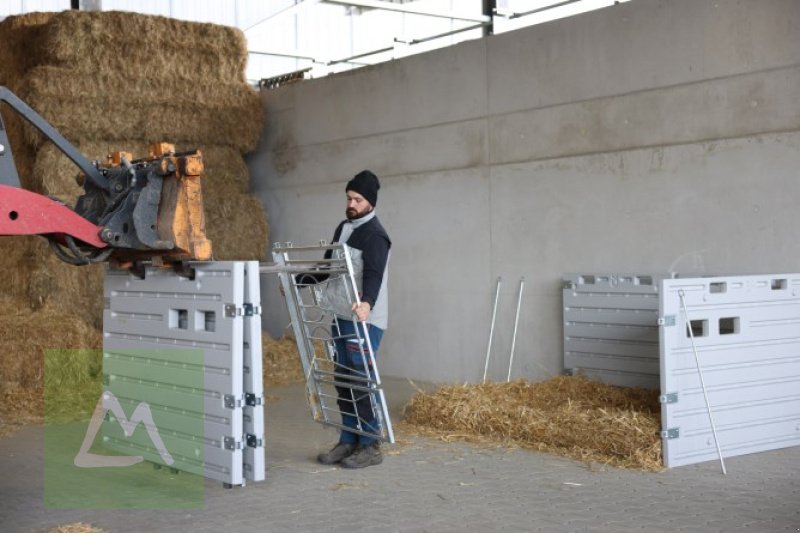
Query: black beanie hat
[{"x": 366, "y": 184}]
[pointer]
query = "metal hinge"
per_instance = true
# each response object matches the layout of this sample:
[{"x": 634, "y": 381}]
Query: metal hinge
[
  {"x": 251, "y": 399},
  {"x": 568, "y": 285},
  {"x": 666, "y": 321},
  {"x": 671, "y": 433},
  {"x": 106, "y": 379},
  {"x": 671, "y": 397},
  {"x": 231, "y": 443},
  {"x": 106, "y": 303},
  {"x": 232, "y": 402},
  {"x": 253, "y": 441},
  {"x": 231, "y": 311}
]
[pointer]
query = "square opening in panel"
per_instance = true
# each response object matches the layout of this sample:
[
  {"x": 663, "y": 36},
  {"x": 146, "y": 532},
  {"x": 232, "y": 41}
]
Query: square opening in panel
[
  {"x": 178, "y": 319},
  {"x": 205, "y": 320},
  {"x": 699, "y": 328},
  {"x": 587, "y": 280},
  {"x": 644, "y": 280},
  {"x": 778, "y": 284},
  {"x": 718, "y": 286},
  {"x": 729, "y": 325}
]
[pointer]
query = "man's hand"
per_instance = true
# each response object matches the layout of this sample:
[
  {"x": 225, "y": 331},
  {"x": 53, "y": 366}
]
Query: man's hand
[{"x": 362, "y": 310}]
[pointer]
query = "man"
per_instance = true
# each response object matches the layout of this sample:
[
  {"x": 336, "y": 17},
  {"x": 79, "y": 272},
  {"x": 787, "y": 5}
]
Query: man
[{"x": 369, "y": 244}]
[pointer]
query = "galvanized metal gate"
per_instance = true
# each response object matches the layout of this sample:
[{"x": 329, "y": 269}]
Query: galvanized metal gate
[
  {"x": 746, "y": 335},
  {"x": 184, "y": 355},
  {"x": 317, "y": 290}
]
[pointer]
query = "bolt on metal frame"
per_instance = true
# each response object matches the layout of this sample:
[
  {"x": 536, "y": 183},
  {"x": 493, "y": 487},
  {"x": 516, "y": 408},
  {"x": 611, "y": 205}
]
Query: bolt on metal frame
[{"x": 307, "y": 280}]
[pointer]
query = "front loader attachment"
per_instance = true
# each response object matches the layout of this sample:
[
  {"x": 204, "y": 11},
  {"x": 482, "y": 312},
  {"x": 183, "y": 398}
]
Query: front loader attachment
[{"x": 132, "y": 210}]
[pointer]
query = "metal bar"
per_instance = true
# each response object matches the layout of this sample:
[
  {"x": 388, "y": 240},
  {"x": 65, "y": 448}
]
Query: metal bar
[
  {"x": 363, "y": 54},
  {"x": 516, "y": 322},
  {"x": 702, "y": 382},
  {"x": 401, "y": 8},
  {"x": 514, "y": 15},
  {"x": 35, "y": 119},
  {"x": 439, "y": 35},
  {"x": 301, "y": 4},
  {"x": 491, "y": 329}
]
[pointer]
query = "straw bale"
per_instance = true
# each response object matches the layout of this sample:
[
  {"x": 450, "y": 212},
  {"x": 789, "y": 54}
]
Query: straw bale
[
  {"x": 281, "y": 361},
  {"x": 54, "y": 174},
  {"x": 17, "y": 55},
  {"x": 26, "y": 334},
  {"x": 67, "y": 287},
  {"x": 14, "y": 252},
  {"x": 237, "y": 227},
  {"x": 146, "y": 46},
  {"x": 569, "y": 416},
  {"x": 112, "y": 117},
  {"x": 47, "y": 81}
]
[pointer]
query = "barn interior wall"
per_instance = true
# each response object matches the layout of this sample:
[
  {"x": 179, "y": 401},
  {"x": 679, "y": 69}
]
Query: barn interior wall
[{"x": 651, "y": 136}]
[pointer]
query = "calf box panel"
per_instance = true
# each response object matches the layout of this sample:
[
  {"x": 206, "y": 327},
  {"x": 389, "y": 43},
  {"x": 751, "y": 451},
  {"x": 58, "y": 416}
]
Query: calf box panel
[
  {"x": 173, "y": 347},
  {"x": 746, "y": 333}
]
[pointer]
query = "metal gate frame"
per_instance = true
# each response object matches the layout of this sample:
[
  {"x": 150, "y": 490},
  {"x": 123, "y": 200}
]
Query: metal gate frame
[{"x": 305, "y": 276}]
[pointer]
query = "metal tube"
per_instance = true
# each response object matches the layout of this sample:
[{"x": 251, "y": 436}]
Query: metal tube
[
  {"x": 702, "y": 382},
  {"x": 516, "y": 322},
  {"x": 491, "y": 329}
]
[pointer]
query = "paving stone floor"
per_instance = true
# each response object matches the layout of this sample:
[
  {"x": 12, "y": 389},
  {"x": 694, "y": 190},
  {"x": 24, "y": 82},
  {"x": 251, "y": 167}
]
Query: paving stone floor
[{"x": 427, "y": 485}]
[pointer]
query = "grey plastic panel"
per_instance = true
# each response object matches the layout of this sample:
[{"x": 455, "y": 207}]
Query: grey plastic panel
[
  {"x": 748, "y": 344},
  {"x": 254, "y": 461},
  {"x": 611, "y": 327},
  {"x": 150, "y": 325}
]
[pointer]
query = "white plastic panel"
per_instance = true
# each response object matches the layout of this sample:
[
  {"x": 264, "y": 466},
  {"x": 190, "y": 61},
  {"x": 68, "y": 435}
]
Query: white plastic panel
[
  {"x": 254, "y": 467},
  {"x": 747, "y": 335},
  {"x": 149, "y": 327},
  {"x": 611, "y": 328}
]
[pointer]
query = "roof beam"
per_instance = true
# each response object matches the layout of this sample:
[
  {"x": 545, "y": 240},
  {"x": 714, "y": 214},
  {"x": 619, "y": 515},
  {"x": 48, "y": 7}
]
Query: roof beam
[{"x": 402, "y": 8}]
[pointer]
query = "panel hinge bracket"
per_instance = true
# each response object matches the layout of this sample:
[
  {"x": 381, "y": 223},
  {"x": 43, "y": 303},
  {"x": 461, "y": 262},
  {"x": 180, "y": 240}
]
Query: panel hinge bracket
[
  {"x": 671, "y": 433},
  {"x": 666, "y": 321},
  {"x": 253, "y": 441},
  {"x": 568, "y": 285},
  {"x": 671, "y": 397},
  {"x": 251, "y": 399},
  {"x": 231, "y": 443},
  {"x": 232, "y": 402}
]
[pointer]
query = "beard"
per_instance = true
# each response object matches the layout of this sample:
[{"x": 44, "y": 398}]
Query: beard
[{"x": 353, "y": 214}]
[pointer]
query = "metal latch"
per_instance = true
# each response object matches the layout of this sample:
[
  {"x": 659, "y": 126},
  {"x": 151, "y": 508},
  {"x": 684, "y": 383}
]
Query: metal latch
[
  {"x": 672, "y": 397},
  {"x": 668, "y": 320},
  {"x": 671, "y": 433},
  {"x": 231, "y": 311},
  {"x": 232, "y": 444},
  {"x": 232, "y": 402},
  {"x": 251, "y": 399},
  {"x": 253, "y": 441}
]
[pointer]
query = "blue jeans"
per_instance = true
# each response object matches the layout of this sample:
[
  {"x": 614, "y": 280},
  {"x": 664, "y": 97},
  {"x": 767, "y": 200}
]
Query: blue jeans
[{"x": 350, "y": 362}]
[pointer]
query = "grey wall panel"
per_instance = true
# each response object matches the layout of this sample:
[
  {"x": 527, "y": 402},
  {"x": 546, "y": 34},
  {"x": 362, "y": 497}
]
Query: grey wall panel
[
  {"x": 682, "y": 186},
  {"x": 397, "y": 95},
  {"x": 748, "y": 346},
  {"x": 732, "y": 107},
  {"x": 637, "y": 46}
]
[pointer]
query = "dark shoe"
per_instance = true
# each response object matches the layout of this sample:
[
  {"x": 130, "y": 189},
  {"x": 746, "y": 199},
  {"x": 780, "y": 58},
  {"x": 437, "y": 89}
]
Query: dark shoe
[
  {"x": 364, "y": 456},
  {"x": 337, "y": 453}
]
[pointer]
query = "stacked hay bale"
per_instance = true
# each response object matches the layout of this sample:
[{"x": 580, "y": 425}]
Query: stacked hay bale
[{"x": 112, "y": 81}]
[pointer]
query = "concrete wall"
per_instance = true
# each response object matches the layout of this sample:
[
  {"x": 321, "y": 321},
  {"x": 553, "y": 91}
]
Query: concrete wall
[{"x": 651, "y": 136}]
